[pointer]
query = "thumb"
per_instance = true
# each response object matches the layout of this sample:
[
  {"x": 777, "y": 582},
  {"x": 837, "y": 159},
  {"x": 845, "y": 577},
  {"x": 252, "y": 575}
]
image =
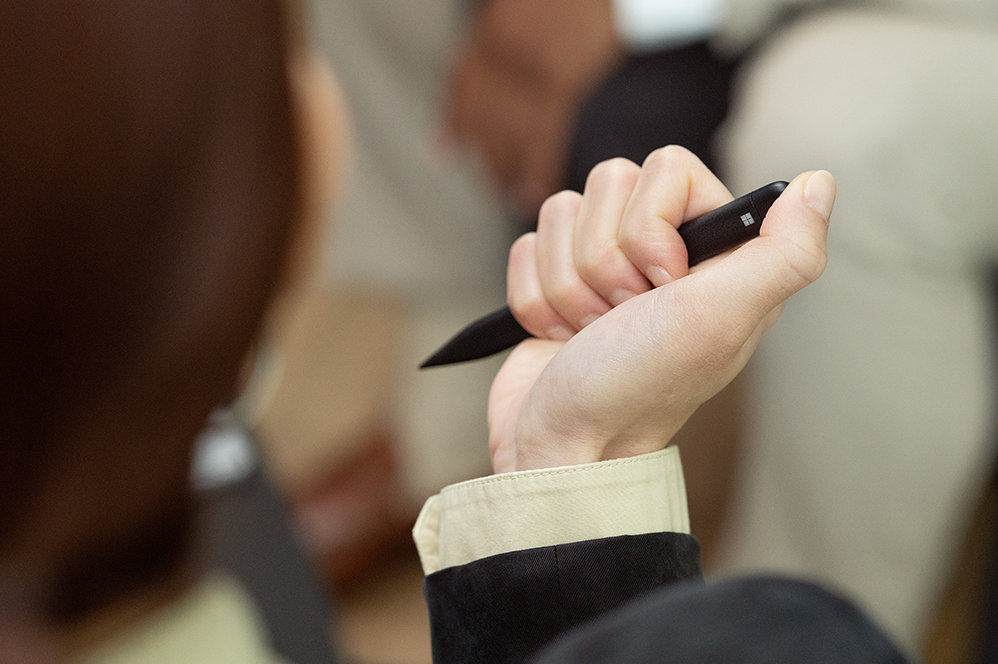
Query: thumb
[
  {"x": 789, "y": 253},
  {"x": 797, "y": 225}
]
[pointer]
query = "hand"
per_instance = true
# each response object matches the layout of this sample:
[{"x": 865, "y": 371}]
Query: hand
[
  {"x": 630, "y": 342},
  {"x": 518, "y": 83}
]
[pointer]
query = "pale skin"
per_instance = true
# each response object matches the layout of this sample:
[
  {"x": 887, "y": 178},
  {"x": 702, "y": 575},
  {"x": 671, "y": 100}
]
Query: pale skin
[{"x": 630, "y": 341}]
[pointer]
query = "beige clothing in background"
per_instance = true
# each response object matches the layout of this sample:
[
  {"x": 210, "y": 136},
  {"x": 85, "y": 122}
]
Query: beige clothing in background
[{"x": 871, "y": 403}]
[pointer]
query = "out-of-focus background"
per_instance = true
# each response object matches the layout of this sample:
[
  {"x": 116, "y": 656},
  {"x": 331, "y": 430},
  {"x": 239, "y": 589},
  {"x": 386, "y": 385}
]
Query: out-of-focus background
[{"x": 858, "y": 449}]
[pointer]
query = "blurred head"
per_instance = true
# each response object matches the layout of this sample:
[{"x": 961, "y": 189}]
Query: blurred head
[{"x": 151, "y": 168}]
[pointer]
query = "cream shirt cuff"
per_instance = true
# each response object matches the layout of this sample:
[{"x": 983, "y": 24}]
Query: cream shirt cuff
[
  {"x": 644, "y": 25},
  {"x": 535, "y": 508}
]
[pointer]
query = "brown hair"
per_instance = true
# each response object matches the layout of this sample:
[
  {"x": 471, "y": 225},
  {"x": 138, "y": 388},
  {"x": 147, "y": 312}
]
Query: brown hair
[{"x": 149, "y": 191}]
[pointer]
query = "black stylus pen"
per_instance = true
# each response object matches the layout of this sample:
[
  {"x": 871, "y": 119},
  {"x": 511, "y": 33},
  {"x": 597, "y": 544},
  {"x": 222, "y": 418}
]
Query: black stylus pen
[{"x": 708, "y": 235}]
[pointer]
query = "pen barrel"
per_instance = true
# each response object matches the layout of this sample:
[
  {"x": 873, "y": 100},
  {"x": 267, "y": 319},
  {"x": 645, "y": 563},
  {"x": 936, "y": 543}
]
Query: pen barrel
[
  {"x": 707, "y": 235},
  {"x": 728, "y": 226}
]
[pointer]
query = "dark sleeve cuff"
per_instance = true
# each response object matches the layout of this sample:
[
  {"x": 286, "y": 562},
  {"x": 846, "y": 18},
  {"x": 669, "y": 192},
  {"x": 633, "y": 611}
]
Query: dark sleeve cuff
[{"x": 503, "y": 608}]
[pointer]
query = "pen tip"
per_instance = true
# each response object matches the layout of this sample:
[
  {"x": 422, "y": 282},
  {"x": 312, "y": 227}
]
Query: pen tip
[
  {"x": 486, "y": 336},
  {"x": 437, "y": 359}
]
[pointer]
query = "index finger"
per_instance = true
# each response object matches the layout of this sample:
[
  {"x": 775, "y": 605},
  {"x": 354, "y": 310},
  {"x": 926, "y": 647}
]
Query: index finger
[{"x": 674, "y": 186}]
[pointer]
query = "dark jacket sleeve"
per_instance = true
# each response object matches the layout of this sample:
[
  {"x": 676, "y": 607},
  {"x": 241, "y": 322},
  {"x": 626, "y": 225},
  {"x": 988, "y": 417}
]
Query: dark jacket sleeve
[{"x": 503, "y": 608}]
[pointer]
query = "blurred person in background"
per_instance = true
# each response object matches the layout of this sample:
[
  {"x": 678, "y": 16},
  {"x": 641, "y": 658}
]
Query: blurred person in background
[
  {"x": 159, "y": 163},
  {"x": 545, "y": 91}
]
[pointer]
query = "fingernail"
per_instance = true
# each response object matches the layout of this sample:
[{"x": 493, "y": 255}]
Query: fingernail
[
  {"x": 560, "y": 333},
  {"x": 621, "y": 295},
  {"x": 819, "y": 193},
  {"x": 659, "y": 276}
]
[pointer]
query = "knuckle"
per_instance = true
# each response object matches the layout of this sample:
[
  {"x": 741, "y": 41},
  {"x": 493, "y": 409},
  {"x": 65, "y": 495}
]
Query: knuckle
[
  {"x": 528, "y": 306},
  {"x": 806, "y": 261},
  {"x": 612, "y": 171},
  {"x": 559, "y": 292},
  {"x": 634, "y": 245},
  {"x": 523, "y": 244},
  {"x": 559, "y": 207},
  {"x": 594, "y": 259},
  {"x": 669, "y": 156},
  {"x": 522, "y": 252},
  {"x": 647, "y": 247}
]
